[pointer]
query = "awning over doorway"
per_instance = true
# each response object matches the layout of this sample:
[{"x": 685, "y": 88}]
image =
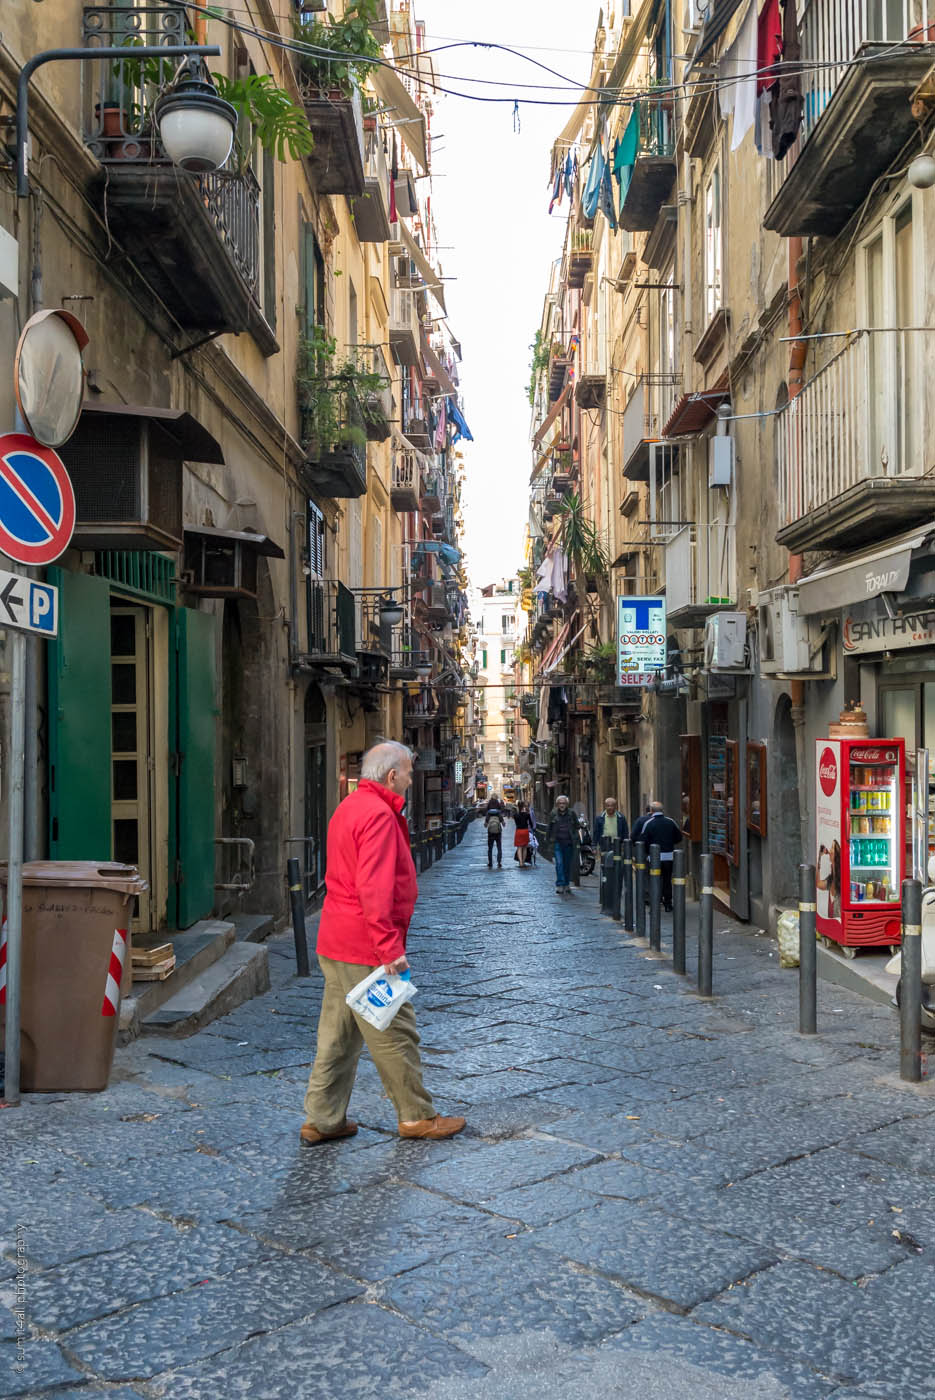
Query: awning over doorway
[
  {"x": 260, "y": 544},
  {"x": 862, "y": 576}
]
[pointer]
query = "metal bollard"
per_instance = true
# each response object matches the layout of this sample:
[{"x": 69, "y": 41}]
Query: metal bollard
[
  {"x": 294, "y": 880},
  {"x": 607, "y": 877},
  {"x": 628, "y": 886},
  {"x": 706, "y": 926},
  {"x": 808, "y": 953},
  {"x": 616, "y": 888},
  {"x": 910, "y": 985},
  {"x": 639, "y": 889},
  {"x": 655, "y": 899},
  {"x": 678, "y": 912}
]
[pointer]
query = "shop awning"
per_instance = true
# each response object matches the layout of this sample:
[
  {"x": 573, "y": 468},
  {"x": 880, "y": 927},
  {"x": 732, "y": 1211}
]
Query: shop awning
[
  {"x": 194, "y": 442},
  {"x": 404, "y": 113},
  {"x": 862, "y": 576}
]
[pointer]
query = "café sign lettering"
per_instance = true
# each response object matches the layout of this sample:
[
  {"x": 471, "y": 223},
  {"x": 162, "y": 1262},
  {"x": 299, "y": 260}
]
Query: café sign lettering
[{"x": 888, "y": 633}]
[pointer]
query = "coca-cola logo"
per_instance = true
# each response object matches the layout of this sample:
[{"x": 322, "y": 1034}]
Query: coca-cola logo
[
  {"x": 828, "y": 772},
  {"x": 874, "y": 755}
]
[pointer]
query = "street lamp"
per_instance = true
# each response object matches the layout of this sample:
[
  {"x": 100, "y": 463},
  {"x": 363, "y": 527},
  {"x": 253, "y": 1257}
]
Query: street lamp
[
  {"x": 194, "y": 113},
  {"x": 391, "y": 612},
  {"x": 196, "y": 126}
]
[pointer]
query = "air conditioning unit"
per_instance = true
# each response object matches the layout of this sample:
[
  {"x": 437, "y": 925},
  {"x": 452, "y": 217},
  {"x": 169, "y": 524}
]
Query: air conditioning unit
[
  {"x": 725, "y": 642},
  {"x": 784, "y": 635}
]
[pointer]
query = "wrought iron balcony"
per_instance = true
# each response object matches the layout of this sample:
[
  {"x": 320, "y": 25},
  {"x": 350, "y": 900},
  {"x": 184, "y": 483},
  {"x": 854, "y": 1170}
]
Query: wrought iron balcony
[
  {"x": 336, "y": 162},
  {"x": 331, "y": 627},
  {"x": 407, "y": 476},
  {"x": 700, "y": 573},
  {"x": 194, "y": 238},
  {"x": 338, "y": 467},
  {"x": 852, "y": 448},
  {"x": 405, "y": 340},
  {"x": 649, "y": 408},
  {"x": 580, "y": 258},
  {"x": 860, "y": 65}
]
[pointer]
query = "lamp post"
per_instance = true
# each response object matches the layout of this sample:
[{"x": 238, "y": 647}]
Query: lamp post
[{"x": 198, "y": 114}]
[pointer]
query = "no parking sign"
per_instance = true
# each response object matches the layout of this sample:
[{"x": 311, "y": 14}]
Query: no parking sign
[{"x": 37, "y": 502}]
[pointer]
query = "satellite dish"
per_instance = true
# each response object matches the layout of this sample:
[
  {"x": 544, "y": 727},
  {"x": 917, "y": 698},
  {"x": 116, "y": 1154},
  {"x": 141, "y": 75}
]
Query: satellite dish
[{"x": 48, "y": 375}]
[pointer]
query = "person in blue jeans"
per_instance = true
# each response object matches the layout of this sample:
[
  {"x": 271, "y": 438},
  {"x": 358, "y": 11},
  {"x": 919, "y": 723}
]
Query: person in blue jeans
[{"x": 563, "y": 837}]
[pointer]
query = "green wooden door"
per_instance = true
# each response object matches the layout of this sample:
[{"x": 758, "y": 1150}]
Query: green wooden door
[
  {"x": 79, "y": 720},
  {"x": 196, "y": 711}
]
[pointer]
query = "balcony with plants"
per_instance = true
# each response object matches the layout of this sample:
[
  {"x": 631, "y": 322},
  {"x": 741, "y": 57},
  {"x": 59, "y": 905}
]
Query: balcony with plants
[
  {"x": 332, "y": 394},
  {"x": 330, "y": 84},
  {"x": 859, "y": 68},
  {"x": 195, "y": 237}
]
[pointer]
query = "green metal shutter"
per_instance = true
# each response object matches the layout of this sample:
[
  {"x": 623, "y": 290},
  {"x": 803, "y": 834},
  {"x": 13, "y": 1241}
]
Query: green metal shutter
[
  {"x": 196, "y": 712},
  {"x": 79, "y": 720}
]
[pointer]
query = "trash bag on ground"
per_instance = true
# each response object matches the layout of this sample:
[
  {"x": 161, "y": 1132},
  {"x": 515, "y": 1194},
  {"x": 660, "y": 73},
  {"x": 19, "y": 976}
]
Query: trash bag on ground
[{"x": 787, "y": 932}]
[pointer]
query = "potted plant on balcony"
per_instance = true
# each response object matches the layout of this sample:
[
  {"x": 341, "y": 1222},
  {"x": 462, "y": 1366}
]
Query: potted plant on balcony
[
  {"x": 330, "y": 393},
  {"x": 352, "y": 49},
  {"x": 267, "y": 114}
]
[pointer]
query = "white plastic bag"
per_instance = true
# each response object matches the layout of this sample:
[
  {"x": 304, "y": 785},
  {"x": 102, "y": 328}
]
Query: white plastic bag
[{"x": 380, "y": 995}]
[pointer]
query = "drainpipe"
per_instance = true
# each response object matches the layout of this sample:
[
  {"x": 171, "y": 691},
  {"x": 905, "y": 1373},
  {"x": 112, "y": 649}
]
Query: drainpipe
[{"x": 797, "y": 353}]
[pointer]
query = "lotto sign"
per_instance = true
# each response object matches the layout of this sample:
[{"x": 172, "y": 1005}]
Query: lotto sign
[
  {"x": 37, "y": 502},
  {"x": 641, "y": 639}
]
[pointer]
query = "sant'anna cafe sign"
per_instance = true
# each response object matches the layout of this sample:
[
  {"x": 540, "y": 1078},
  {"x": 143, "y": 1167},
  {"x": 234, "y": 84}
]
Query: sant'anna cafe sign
[{"x": 888, "y": 633}]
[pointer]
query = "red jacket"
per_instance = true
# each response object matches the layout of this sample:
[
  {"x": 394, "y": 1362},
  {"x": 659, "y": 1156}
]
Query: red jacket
[{"x": 371, "y": 885}]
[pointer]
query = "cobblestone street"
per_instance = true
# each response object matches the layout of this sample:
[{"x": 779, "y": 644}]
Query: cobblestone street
[{"x": 655, "y": 1195}]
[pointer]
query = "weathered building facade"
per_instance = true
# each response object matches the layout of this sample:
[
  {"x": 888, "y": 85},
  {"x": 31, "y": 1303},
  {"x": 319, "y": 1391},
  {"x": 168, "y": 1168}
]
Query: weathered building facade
[
  {"x": 734, "y": 350},
  {"x": 264, "y": 576}
]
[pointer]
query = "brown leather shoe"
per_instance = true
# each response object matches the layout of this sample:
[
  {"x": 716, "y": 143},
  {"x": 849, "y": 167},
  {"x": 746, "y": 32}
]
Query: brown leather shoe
[
  {"x": 437, "y": 1127},
  {"x": 309, "y": 1133}
]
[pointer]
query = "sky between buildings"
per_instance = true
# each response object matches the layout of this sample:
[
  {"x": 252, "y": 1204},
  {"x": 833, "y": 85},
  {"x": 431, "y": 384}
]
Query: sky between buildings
[{"x": 491, "y": 200}]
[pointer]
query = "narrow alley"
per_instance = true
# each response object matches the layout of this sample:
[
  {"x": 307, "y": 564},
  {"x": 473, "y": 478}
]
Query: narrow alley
[{"x": 654, "y": 1196}]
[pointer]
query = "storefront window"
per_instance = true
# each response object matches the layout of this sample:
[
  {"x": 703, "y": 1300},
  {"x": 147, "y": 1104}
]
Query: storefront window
[{"x": 899, "y": 714}]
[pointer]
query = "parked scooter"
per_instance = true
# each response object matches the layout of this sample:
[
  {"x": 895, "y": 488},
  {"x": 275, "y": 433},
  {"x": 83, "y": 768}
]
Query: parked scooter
[
  {"x": 586, "y": 855},
  {"x": 894, "y": 966}
]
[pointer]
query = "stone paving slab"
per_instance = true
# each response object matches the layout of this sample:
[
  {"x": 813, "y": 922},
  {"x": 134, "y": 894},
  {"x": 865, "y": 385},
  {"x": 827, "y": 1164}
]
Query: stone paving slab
[
  {"x": 38, "y": 1366},
  {"x": 674, "y": 1261},
  {"x": 471, "y": 1297}
]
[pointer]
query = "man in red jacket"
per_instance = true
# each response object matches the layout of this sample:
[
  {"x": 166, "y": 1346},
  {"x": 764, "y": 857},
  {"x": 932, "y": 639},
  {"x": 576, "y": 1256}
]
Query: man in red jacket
[{"x": 371, "y": 893}]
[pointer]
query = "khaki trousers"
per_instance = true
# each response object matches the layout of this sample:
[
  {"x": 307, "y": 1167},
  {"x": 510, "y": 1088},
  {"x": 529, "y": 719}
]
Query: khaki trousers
[{"x": 342, "y": 1035}]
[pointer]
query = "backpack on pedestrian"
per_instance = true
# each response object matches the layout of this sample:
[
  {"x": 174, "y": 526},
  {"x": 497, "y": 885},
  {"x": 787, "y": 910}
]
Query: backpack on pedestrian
[{"x": 494, "y": 824}]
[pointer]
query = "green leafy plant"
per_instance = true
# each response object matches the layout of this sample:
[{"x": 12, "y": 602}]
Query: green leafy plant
[
  {"x": 352, "y": 48},
  {"x": 539, "y": 361},
  {"x": 600, "y": 660},
  {"x": 267, "y": 114},
  {"x": 334, "y": 395},
  {"x": 581, "y": 540}
]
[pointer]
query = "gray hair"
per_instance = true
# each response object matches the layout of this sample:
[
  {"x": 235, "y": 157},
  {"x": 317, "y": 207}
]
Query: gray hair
[
  {"x": 561, "y": 798},
  {"x": 656, "y": 807},
  {"x": 381, "y": 759}
]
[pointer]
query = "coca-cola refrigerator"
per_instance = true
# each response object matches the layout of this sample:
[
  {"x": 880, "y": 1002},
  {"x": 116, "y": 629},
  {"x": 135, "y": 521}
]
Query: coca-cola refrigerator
[{"x": 860, "y": 826}]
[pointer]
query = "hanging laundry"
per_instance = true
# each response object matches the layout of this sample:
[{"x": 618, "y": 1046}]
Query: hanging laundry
[
  {"x": 394, "y": 176},
  {"x": 768, "y": 44},
  {"x": 440, "y": 428},
  {"x": 627, "y": 150},
  {"x": 571, "y": 165},
  {"x": 456, "y": 417},
  {"x": 788, "y": 102},
  {"x": 590, "y": 199},
  {"x": 737, "y": 84},
  {"x": 761, "y": 136},
  {"x": 556, "y": 190},
  {"x": 607, "y": 199}
]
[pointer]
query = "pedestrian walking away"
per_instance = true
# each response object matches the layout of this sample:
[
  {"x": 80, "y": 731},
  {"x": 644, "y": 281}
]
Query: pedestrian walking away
[
  {"x": 522, "y": 823},
  {"x": 493, "y": 823},
  {"x": 611, "y": 824},
  {"x": 371, "y": 891},
  {"x": 563, "y": 837},
  {"x": 660, "y": 830},
  {"x": 637, "y": 833}
]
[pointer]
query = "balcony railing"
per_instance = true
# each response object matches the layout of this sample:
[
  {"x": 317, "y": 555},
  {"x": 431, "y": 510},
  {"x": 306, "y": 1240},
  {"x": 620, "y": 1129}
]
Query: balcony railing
[
  {"x": 331, "y": 632},
  {"x": 407, "y": 478},
  {"x": 897, "y": 36},
  {"x": 649, "y": 408},
  {"x": 195, "y": 238},
  {"x": 852, "y": 446},
  {"x": 650, "y": 181},
  {"x": 404, "y": 326},
  {"x": 700, "y": 574},
  {"x": 371, "y": 210}
]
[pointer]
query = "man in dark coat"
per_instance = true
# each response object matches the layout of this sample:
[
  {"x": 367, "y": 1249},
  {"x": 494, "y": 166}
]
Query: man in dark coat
[{"x": 660, "y": 830}]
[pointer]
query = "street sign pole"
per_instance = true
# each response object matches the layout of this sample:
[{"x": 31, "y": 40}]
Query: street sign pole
[{"x": 14, "y": 909}]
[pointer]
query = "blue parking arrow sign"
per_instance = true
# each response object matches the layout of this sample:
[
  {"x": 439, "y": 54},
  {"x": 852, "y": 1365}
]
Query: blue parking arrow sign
[{"x": 28, "y": 605}]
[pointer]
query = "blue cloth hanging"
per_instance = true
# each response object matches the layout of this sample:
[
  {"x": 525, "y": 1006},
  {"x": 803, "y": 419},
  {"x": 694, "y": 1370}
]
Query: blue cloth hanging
[
  {"x": 456, "y": 417},
  {"x": 590, "y": 199}
]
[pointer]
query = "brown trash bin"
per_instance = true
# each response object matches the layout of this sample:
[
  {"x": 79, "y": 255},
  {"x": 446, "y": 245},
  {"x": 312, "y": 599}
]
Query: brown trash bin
[{"x": 75, "y": 963}]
